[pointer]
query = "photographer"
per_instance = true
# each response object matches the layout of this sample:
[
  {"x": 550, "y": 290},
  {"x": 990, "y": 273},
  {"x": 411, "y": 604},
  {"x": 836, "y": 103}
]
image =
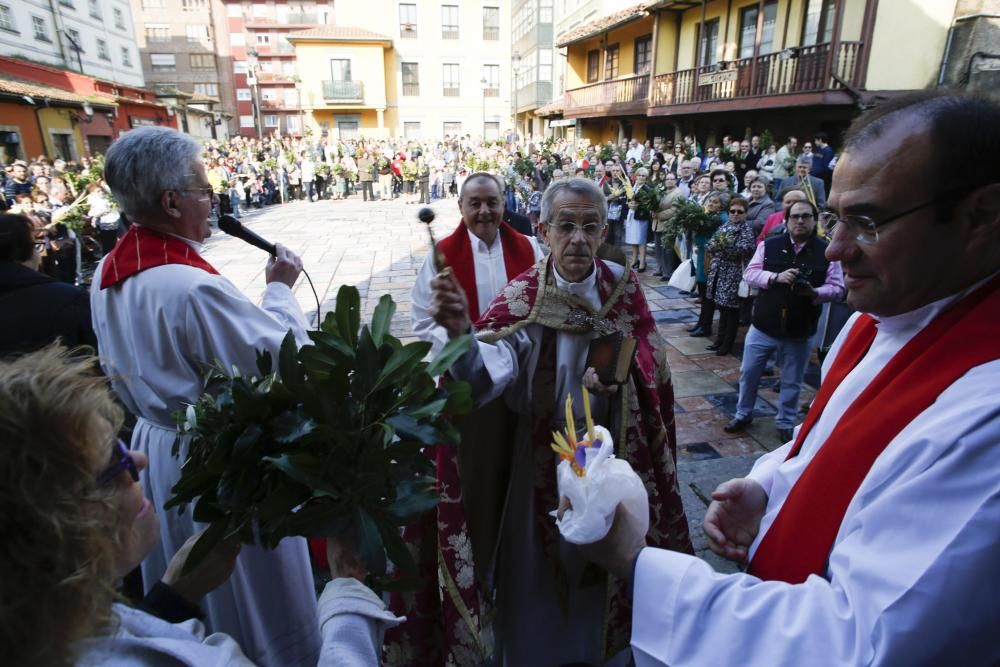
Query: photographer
[{"x": 795, "y": 279}]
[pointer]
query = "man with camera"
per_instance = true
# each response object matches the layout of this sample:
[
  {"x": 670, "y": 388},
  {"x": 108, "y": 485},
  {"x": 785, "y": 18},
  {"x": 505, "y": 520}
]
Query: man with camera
[{"x": 795, "y": 279}]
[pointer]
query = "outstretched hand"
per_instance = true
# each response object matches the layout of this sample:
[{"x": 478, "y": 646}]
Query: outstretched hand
[
  {"x": 213, "y": 570},
  {"x": 733, "y": 519},
  {"x": 449, "y": 306}
]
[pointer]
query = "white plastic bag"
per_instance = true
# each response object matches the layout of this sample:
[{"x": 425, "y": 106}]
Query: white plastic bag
[
  {"x": 682, "y": 278},
  {"x": 608, "y": 481}
]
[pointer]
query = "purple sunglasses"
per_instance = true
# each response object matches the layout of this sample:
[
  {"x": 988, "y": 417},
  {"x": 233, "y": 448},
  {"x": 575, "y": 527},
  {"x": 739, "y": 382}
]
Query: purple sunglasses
[{"x": 121, "y": 459}]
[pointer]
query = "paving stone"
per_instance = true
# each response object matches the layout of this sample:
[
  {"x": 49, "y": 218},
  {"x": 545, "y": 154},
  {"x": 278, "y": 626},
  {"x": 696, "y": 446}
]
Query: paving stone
[
  {"x": 698, "y": 383},
  {"x": 691, "y": 346}
]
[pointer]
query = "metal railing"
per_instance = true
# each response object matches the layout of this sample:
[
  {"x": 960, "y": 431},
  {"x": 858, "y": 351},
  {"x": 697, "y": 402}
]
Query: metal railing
[
  {"x": 343, "y": 90},
  {"x": 613, "y": 96},
  {"x": 491, "y": 34}
]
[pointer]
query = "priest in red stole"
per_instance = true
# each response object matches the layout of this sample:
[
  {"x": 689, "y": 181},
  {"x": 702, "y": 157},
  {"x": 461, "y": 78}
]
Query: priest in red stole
[
  {"x": 523, "y": 595},
  {"x": 872, "y": 537}
]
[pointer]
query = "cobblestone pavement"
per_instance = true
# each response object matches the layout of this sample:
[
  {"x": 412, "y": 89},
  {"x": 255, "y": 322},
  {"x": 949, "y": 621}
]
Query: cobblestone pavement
[{"x": 379, "y": 247}]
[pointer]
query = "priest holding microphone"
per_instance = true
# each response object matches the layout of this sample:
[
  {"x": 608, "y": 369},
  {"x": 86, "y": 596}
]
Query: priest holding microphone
[{"x": 163, "y": 315}]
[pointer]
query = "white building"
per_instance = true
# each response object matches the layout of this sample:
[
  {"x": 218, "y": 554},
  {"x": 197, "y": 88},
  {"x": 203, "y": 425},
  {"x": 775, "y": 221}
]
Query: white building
[{"x": 94, "y": 37}]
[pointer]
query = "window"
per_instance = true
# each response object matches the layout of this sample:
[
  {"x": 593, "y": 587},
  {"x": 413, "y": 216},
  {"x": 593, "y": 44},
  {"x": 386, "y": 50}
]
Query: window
[
  {"x": 237, "y": 39},
  {"x": 407, "y": 20},
  {"x": 611, "y": 62},
  {"x": 269, "y": 95},
  {"x": 491, "y": 74},
  {"x": 293, "y": 124},
  {"x": 102, "y": 50},
  {"x": 246, "y": 121},
  {"x": 263, "y": 39},
  {"x": 818, "y": 26},
  {"x": 271, "y": 120},
  {"x": 748, "y": 29},
  {"x": 643, "y": 55},
  {"x": 491, "y": 24},
  {"x": 207, "y": 89},
  {"x": 157, "y": 32},
  {"x": 524, "y": 19},
  {"x": 240, "y": 67},
  {"x": 193, "y": 5},
  {"x": 119, "y": 18},
  {"x": 74, "y": 39},
  {"x": 340, "y": 69},
  {"x": 593, "y": 66},
  {"x": 163, "y": 62},
  {"x": 7, "y": 18},
  {"x": 450, "y": 78},
  {"x": 545, "y": 65},
  {"x": 491, "y": 130},
  {"x": 203, "y": 62},
  {"x": 126, "y": 57},
  {"x": 288, "y": 68},
  {"x": 708, "y": 45},
  {"x": 243, "y": 95},
  {"x": 411, "y": 78},
  {"x": 449, "y": 21},
  {"x": 153, "y": 4},
  {"x": 411, "y": 130},
  {"x": 198, "y": 34},
  {"x": 545, "y": 11},
  {"x": 290, "y": 98},
  {"x": 41, "y": 30},
  {"x": 95, "y": 8},
  {"x": 67, "y": 3},
  {"x": 452, "y": 129}
]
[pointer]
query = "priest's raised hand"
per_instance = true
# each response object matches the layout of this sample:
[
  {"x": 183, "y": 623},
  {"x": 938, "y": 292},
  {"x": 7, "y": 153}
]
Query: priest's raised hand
[{"x": 449, "y": 306}]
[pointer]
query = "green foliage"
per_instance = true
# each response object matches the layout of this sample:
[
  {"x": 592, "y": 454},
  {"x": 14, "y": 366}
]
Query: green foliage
[
  {"x": 328, "y": 442},
  {"x": 524, "y": 167},
  {"x": 766, "y": 139},
  {"x": 606, "y": 153},
  {"x": 647, "y": 200},
  {"x": 690, "y": 217}
]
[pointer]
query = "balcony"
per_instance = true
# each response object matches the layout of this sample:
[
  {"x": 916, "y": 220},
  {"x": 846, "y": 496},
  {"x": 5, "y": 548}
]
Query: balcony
[
  {"x": 344, "y": 91},
  {"x": 776, "y": 79},
  {"x": 275, "y": 77},
  {"x": 622, "y": 96}
]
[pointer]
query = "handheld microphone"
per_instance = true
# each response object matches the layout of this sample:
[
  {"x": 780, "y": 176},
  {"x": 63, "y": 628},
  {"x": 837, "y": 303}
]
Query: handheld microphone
[{"x": 234, "y": 227}]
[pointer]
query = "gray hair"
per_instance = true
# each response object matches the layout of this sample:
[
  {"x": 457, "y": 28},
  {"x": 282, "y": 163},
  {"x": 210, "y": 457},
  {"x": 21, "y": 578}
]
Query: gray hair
[
  {"x": 582, "y": 187},
  {"x": 642, "y": 170},
  {"x": 147, "y": 161},
  {"x": 481, "y": 175},
  {"x": 804, "y": 159}
]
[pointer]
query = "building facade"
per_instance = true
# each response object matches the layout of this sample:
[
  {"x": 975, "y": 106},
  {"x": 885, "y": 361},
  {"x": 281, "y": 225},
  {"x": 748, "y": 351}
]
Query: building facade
[
  {"x": 533, "y": 59},
  {"x": 94, "y": 37},
  {"x": 734, "y": 67}
]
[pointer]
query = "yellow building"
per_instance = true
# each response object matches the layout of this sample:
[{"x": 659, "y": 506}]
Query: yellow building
[
  {"x": 346, "y": 79},
  {"x": 735, "y": 67}
]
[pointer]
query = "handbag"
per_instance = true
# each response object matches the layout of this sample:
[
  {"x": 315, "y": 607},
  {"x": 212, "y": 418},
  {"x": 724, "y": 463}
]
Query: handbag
[
  {"x": 614, "y": 211},
  {"x": 683, "y": 277}
]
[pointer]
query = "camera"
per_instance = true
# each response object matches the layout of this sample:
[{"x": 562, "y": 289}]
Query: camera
[{"x": 802, "y": 286}]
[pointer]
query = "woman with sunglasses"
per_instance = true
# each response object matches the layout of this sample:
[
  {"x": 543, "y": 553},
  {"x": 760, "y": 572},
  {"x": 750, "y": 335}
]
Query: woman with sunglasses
[
  {"x": 731, "y": 247},
  {"x": 75, "y": 521}
]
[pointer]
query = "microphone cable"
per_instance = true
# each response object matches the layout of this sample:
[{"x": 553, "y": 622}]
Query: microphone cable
[{"x": 315, "y": 296}]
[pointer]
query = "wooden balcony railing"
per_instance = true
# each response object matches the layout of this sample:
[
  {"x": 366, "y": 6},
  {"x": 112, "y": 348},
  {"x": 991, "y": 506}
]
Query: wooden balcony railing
[
  {"x": 618, "y": 96},
  {"x": 809, "y": 69}
]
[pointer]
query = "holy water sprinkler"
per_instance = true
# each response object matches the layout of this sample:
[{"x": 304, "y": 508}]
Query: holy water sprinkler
[{"x": 426, "y": 216}]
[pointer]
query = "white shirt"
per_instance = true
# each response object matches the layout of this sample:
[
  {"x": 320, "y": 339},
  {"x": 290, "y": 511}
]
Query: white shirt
[
  {"x": 913, "y": 574},
  {"x": 491, "y": 276}
]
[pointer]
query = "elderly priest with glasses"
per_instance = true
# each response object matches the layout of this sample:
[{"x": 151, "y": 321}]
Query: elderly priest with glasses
[
  {"x": 532, "y": 351},
  {"x": 872, "y": 536}
]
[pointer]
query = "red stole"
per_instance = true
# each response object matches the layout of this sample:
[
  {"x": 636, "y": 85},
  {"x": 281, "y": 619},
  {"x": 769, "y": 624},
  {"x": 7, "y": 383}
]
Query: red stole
[
  {"x": 142, "y": 248},
  {"x": 960, "y": 338},
  {"x": 518, "y": 255}
]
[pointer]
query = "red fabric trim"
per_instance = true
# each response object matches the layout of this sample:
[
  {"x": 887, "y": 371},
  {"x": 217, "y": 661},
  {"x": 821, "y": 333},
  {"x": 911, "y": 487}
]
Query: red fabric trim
[
  {"x": 141, "y": 249},
  {"x": 960, "y": 338},
  {"x": 457, "y": 249}
]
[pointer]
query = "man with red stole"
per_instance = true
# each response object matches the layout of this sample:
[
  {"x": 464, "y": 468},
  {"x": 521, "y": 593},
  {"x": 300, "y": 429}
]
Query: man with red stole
[
  {"x": 546, "y": 605},
  {"x": 872, "y": 536}
]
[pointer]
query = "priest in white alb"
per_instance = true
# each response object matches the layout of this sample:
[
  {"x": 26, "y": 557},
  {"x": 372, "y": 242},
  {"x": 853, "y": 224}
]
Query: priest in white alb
[
  {"x": 872, "y": 537},
  {"x": 163, "y": 315}
]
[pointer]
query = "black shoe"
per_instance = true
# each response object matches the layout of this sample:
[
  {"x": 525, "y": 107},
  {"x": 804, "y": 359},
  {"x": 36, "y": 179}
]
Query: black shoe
[
  {"x": 736, "y": 425},
  {"x": 665, "y": 279},
  {"x": 694, "y": 328},
  {"x": 642, "y": 269},
  {"x": 723, "y": 351},
  {"x": 713, "y": 347},
  {"x": 684, "y": 292},
  {"x": 700, "y": 333},
  {"x": 635, "y": 264},
  {"x": 785, "y": 434},
  {"x": 658, "y": 274},
  {"x": 768, "y": 372}
]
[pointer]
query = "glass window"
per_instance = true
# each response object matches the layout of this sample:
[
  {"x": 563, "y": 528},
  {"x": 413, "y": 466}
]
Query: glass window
[
  {"x": 545, "y": 11},
  {"x": 240, "y": 67},
  {"x": 451, "y": 80},
  {"x": 593, "y": 65},
  {"x": 449, "y": 21},
  {"x": 611, "y": 62},
  {"x": 643, "y": 55},
  {"x": 818, "y": 26},
  {"x": 119, "y": 18},
  {"x": 411, "y": 78},
  {"x": 709, "y": 44},
  {"x": 102, "y": 50},
  {"x": 163, "y": 62},
  {"x": 243, "y": 94},
  {"x": 452, "y": 129},
  {"x": 74, "y": 39},
  {"x": 198, "y": 34},
  {"x": 491, "y": 74},
  {"x": 411, "y": 130},
  {"x": 269, "y": 94},
  {"x": 293, "y": 124},
  {"x": 203, "y": 61},
  {"x": 95, "y": 8},
  {"x": 748, "y": 29},
  {"x": 207, "y": 89},
  {"x": 157, "y": 32},
  {"x": 194, "y": 5},
  {"x": 263, "y": 39},
  {"x": 290, "y": 98},
  {"x": 491, "y": 23},
  {"x": 770, "y": 21},
  {"x": 340, "y": 69},
  {"x": 271, "y": 120},
  {"x": 491, "y": 130},
  {"x": 41, "y": 30},
  {"x": 246, "y": 121},
  {"x": 6, "y": 18},
  {"x": 407, "y": 20},
  {"x": 126, "y": 57}
]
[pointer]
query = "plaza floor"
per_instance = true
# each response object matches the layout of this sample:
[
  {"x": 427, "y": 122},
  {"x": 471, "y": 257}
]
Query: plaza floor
[{"x": 379, "y": 246}]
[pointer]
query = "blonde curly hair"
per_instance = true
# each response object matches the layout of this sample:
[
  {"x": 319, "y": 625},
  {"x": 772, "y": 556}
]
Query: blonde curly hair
[{"x": 59, "y": 544}]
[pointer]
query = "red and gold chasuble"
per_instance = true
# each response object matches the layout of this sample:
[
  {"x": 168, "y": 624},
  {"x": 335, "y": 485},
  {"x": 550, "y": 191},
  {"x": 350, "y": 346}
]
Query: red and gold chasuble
[
  {"x": 446, "y": 622},
  {"x": 960, "y": 338},
  {"x": 142, "y": 248}
]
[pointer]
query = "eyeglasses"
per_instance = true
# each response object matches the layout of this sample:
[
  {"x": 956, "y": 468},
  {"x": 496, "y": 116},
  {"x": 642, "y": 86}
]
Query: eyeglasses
[
  {"x": 719, "y": 180},
  {"x": 808, "y": 147},
  {"x": 800, "y": 216},
  {"x": 121, "y": 460},
  {"x": 569, "y": 228},
  {"x": 865, "y": 229},
  {"x": 205, "y": 191},
  {"x": 736, "y": 211}
]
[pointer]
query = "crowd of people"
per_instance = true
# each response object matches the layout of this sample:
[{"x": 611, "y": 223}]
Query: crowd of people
[{"x": 862, "y": 533}]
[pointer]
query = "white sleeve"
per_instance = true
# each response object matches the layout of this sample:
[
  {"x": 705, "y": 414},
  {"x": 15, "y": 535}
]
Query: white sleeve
[
  {"x": 352, "y": 621},
  {"x": 492, "y": 367},
  {"x": 424, "y": 326},
  {"x": 912, "y": 578},
  {"x": 221, "y": 323},
  {"x": 536, "y": 248}
]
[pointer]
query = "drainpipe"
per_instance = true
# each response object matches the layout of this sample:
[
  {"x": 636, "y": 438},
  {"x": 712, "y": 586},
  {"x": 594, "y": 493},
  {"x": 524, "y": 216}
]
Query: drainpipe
[
  {"x": 57, "y": 21},
  {"x": 951, "y": 34}
]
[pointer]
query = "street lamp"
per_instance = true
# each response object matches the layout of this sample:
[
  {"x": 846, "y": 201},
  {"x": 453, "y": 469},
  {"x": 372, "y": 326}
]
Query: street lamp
[
  {"x": 255, "y": 86},
  {"x": 516, "y": 61},
  {"x": 484, "y": 84}
]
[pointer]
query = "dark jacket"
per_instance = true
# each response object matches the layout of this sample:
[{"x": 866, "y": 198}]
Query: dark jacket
[
  {"x": 778, "y": 311},
  {"x": 519, "y": 222},
  {"x": 37, "y": 310}
]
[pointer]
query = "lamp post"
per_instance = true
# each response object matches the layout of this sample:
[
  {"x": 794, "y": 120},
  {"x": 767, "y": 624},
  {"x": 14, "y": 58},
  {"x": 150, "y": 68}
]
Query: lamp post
[
  {"x": 484, "y": 83},
  {"x": 255, "y": 86},
  {"x": 516, "y": 62}
]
